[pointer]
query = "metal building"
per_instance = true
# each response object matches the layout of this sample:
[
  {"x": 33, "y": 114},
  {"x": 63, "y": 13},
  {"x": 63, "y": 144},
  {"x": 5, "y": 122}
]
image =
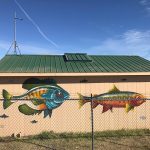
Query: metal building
[{"x": 75, "y": 73}]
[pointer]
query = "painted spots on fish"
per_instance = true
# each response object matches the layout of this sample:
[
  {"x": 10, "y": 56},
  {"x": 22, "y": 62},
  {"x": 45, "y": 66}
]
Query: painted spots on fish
[
  {"x": 42, "y": 95},
  {"x": 114, "y": 98},
  {"x": 42, "y": 107},
  {"x": 36, "y": 94}
]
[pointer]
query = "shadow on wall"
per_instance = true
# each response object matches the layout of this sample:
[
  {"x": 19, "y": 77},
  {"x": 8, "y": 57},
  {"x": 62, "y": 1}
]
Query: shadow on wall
[{"x": 79, "y": 79}]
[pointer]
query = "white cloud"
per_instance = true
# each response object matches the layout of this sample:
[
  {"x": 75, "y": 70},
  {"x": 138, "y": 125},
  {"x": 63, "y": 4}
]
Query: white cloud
[
  {"x": 132, "y": 42},
  {"x": 26, "y": 49},
  {"x": 144, "y": 2},
  {"x": 134, "y": 36},
  {"x": 146, "y": 5},
  {"x": 4, "y": 45}
]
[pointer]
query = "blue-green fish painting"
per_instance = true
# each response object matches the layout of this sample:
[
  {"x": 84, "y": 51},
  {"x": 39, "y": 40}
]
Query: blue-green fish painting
[{"x": 42, "y": 95}]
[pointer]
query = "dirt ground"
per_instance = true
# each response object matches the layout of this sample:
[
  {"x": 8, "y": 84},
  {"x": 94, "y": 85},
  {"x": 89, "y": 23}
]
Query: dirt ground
[{"x": 102, "y": 143}]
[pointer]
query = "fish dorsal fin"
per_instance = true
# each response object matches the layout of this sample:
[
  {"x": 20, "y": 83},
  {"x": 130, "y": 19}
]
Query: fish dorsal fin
[
  {"x": 34, "y": 82},
  {"x": 114, "y": 90}
]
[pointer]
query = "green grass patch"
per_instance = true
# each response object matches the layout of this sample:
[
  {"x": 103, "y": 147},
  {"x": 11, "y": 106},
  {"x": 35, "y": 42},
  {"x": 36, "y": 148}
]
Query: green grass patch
[
  {"x": 123, "y": 132},
  {"x": 87, "y": 135},
  {"x": 113, "y": 133}
]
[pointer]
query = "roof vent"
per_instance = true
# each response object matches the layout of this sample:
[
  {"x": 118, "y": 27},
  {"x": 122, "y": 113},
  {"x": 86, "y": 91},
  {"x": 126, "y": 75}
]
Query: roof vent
[{"x": 77, "y": 57}]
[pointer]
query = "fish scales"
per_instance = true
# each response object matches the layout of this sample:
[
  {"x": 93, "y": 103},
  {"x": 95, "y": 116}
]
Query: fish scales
[
  {"x": 34, "y": 94},
  {"x": 114, "y": 103},
  {"x": 114, "y": 98},
  {"x": 42, "y": 95},
  {"x": 37, "y": 93},
  {"x": 118, "y": 96}
]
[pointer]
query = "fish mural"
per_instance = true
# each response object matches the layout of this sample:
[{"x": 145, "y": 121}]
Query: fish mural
[
  {"x": 114, "y": 99},
  {"x": 33, "y": 121},
  {"x": 42, "y": 95},
  {"x": 4, "y": 116}
]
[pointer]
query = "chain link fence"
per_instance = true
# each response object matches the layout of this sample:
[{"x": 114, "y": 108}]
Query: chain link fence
[{"x": 72, "y": 118}]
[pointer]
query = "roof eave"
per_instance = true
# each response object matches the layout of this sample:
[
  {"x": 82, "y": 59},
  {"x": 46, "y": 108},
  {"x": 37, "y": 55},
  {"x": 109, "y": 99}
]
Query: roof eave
[{"x": 77, "y": 74}]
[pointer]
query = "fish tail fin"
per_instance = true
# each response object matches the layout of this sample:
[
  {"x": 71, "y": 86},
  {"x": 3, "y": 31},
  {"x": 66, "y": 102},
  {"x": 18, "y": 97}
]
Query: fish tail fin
[
  {"x": 6, "y": 95},
  {"x": 82, "y": 100},
  {"x": 7, "y": 99}
]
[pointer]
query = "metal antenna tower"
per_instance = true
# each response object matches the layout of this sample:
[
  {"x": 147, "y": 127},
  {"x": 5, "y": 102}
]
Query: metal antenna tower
[{"x": 14, "y": 44}]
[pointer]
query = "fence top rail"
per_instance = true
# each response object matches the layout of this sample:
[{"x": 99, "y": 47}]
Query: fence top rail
[{"x": 88, "y": 99}]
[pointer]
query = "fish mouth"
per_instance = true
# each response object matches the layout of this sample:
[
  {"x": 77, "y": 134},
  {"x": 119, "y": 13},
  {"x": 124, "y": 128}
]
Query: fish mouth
[
  {"x": 66, "y": 97},
  {"x": 142, "y": 101}
]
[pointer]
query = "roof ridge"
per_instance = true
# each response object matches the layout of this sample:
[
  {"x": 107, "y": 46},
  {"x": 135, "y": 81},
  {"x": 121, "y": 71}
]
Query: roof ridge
[{"x": 68, "y": 53}]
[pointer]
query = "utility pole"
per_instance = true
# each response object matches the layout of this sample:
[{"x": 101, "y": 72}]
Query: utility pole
[
  {"x": 14, "y": 44},
  {"x": 15, "y": 41},
  {"x": 92, "y": 122}
]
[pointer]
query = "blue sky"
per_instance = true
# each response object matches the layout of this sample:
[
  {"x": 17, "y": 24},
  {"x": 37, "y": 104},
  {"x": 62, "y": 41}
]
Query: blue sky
[{"x": 101, "y": 27}]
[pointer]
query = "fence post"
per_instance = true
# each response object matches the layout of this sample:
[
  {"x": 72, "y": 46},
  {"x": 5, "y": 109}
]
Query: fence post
[{"x": 92, "y": 122}]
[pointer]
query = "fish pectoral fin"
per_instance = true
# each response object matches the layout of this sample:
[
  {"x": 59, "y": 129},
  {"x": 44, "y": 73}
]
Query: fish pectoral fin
[
  {"x": 129, "y": 107},
  {"x": 132, "y": 109},
  {"x": 39, "y": 112},
  {"x": 42, "y": 107},
  {"x": 94, "y": 104},
  {"x": 36, "y": 101},
  {"x": 111, "y": 109},
  {"x": 106, "y": 108},
  {"x": 26, "y": 110},
  {"x": 47, "y": 112}
]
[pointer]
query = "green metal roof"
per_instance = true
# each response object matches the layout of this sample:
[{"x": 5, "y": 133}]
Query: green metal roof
[
  {"x": 75, "y": 64},
  {"x": 77, "y": 57}
]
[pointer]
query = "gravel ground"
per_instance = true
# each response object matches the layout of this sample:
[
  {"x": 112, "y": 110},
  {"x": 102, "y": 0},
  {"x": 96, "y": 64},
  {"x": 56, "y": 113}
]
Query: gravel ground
[{"x": 103, "y": 143}]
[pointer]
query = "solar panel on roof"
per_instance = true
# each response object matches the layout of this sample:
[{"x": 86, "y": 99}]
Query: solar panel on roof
[
  {"x": 77, "y": 57},
  {"x": 76, "y": 63}
]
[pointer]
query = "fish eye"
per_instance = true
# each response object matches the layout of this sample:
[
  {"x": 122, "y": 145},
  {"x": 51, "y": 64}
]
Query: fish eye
[
  {"x": 137, "y": 97},
  {"x": 59, "y": 94}
]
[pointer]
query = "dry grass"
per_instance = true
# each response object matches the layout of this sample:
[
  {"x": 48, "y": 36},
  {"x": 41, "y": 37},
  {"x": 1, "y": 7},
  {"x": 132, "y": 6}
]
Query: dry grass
[{"x": 107, "y": 140}]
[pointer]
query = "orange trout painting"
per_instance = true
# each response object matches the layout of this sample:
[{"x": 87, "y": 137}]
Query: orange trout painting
[{"x": 114, "y": 99}]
